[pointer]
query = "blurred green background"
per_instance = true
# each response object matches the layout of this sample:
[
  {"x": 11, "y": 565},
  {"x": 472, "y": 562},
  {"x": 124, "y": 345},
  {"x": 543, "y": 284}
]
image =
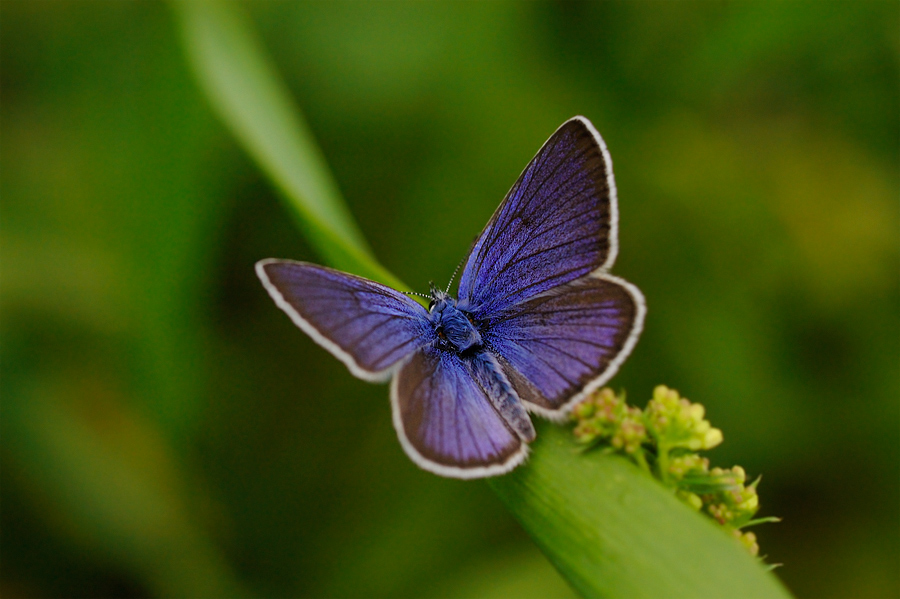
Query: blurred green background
[{"x": 166, "y": 431}]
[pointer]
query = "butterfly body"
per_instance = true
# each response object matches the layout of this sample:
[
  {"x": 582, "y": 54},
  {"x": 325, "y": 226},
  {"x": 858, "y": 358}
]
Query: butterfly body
[
  {"x": 456, "y": 332},
  {"x": 538, "y": 324},
  {"x": 454, "y": 329}
]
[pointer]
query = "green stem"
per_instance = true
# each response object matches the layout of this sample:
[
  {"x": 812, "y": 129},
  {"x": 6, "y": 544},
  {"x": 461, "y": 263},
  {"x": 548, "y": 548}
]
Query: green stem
[
  {"x": 244, "y": 89},
  {"x": 662, "y": 463},
  {"x": 641, "y": 459}
]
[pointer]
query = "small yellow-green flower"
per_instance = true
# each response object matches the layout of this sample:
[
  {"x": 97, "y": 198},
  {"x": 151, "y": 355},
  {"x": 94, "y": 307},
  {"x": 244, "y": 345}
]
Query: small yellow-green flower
[
  {"x": 735, "y": 503},
  {"x": 689, "y": 463},
  {"x": 748, "y": 540},
  {"x": 676, "y": 422},
  {"x": 692, "y": 499}
]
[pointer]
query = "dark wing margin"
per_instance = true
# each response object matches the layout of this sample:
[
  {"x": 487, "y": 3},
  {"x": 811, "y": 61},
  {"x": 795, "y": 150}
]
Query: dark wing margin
[
  {"x": 558, "y": 347},
  {"x": 558, "y": 223},
  {"x": 445, "y": 421},
  {"x": 369, "y": 327}
]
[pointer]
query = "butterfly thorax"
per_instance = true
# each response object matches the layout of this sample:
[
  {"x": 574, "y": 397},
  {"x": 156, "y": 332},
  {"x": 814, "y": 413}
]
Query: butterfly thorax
[{"x": 454, "y": 328}]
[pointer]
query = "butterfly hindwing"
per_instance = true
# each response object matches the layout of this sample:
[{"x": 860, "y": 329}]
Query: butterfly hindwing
[
  {"x": 558, "y": 346},
  {"x": 556, "y": 224},
  {"x": 366, "y": 325},
  {"x": 447, "y": 423}
]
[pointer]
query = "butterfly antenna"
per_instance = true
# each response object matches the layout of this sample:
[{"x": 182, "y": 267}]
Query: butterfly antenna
[
  {"x": 416, "y": 293},
  {"x": 458, "y": 266}
]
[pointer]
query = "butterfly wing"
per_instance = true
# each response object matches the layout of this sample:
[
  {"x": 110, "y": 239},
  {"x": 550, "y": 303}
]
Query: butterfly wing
[
  {"x": 557, "y": 223},
  {"x": 446, "y": 421},
  {"x": 560, "y": 346},
  {"x": 369, "y": 327}
]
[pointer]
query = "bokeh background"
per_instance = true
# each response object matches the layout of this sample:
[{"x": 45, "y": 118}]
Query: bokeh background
[{"x": 166, "y": 431}]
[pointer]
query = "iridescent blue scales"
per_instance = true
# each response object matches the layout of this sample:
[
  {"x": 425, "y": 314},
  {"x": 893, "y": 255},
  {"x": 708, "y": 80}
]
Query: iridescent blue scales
[{"x": 538, "y": 324}]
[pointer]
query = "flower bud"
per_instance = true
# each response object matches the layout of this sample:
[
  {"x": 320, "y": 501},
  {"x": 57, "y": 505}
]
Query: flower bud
[{"x": 676, "y": 422}]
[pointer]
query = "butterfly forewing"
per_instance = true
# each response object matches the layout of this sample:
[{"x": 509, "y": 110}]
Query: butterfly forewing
[
  {"x": 366, "y": 325},
  {"x": 557, "y": 223},
  {"x": 558, "y": 346}
]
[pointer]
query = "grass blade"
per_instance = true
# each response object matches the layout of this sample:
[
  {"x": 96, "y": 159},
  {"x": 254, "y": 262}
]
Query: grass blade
[
  {"x": 249, "y": 97},
  {"x": 613, "y": 531}
]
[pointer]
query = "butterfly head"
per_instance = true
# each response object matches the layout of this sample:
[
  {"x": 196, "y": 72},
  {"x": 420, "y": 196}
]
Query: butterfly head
[{"x": 438, "y": 297}]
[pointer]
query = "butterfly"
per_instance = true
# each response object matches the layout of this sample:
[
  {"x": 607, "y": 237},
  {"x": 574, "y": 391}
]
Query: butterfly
[{"x": 538, "y": 322}]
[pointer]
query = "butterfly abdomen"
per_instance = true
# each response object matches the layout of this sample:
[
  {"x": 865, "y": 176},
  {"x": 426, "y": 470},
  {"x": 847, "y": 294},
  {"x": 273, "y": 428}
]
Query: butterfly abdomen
[{"x": 499, "y": 390}]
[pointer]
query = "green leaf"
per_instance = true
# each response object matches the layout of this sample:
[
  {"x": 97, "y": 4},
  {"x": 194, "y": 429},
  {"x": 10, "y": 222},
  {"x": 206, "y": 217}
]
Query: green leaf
[
  {"x": 614, "y": 531},
  {"x": 249, "y": 97},
  {"x": 767, "y": 520},
  {"x": 610, "y": 529}
]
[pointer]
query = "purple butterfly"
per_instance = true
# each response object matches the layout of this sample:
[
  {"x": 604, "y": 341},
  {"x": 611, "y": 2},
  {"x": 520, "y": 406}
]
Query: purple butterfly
[{"x": 539, "y": 322}]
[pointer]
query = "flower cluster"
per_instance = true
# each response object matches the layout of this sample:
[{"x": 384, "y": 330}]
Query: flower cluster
[
  {"x": 605, "y": 416},
  {"x": 722, "y": 494},
  {"x": 664, "y": 439}
]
